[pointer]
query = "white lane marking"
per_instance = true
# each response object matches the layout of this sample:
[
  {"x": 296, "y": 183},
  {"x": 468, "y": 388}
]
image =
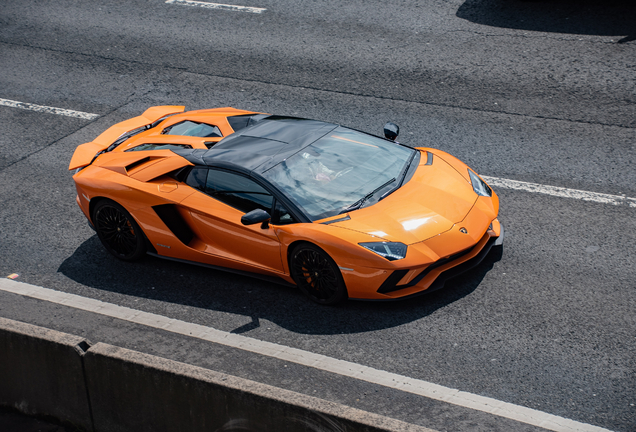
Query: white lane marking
[
  {"x": 561, "y": 191},
  {"x": 217, "y": 6},
  {"x": 305, "y": 358},
  {"x": 493, "y": 181},
  {"x": 48, "y": 109}
]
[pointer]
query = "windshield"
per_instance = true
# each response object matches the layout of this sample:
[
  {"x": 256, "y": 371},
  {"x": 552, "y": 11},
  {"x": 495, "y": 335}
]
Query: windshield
[{"x": 339, "y": 170}]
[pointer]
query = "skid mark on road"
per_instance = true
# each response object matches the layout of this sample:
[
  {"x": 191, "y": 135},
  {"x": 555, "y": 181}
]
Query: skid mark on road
[
  {"x": 48, "y": 109},
  {"x": 217, "y": 6},
  {"x": 305, "y": 358}
]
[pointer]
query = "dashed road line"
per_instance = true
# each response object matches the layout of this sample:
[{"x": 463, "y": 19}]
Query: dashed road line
[
  {"x": 217, "y": 6},
  {"x": 561, "y": 192},
  {"x": 321, "y": 362},
  {"x": 556, "y": 191},
  {"x": 48, "y": 109}
]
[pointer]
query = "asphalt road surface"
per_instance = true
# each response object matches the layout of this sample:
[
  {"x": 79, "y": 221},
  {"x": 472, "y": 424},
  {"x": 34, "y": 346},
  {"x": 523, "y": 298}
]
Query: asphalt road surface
[{"x": 539, "y": 92}]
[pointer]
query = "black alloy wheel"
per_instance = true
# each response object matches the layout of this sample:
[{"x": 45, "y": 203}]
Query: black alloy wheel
[
  {"x": 118, "y": 231},
  {"x": 317, "y": 275}
]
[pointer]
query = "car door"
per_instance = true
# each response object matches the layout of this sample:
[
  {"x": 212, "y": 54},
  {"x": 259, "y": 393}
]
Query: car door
[{"x": 216, "y": 211}]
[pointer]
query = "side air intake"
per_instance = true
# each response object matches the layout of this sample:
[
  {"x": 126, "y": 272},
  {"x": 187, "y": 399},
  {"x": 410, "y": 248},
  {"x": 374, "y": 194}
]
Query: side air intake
[{"x": 170, "y": 216}]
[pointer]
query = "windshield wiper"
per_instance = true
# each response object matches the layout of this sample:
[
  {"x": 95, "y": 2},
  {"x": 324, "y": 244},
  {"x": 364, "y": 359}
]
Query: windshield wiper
[
  {"x": 402, "y": 177},
  {"x": 356, "y": 205}
]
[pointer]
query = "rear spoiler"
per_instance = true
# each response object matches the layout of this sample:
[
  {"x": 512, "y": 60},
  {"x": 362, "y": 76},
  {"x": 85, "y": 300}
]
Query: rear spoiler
[{"x": 86, "y": 153}]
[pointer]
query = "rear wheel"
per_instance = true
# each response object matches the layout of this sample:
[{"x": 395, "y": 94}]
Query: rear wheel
[
  {"x": 118, "y": 231},
  {"x": 317, "y": 275}
]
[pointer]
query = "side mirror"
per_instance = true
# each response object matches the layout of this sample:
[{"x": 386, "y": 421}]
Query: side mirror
[
  {"x": 256, "y": 216},
  {"x": 391, "y": 131}
]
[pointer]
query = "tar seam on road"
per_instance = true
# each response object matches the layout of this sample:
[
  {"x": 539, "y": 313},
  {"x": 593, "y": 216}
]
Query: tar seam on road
[
  {"x": 217, "y": 6},
  {"x": 48, "y": 109},
  {"x": 318, "y": 361}
]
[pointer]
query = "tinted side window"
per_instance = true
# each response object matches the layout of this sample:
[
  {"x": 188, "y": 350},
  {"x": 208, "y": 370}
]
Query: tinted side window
[
  {"x": 281, "y": 215},
  {"x": 190, "y": 128},
  {"x": 143, "y": 147},
  {"x": 240, "y": 121},
  {"x": 237, "y": 191},
  {"x": 197, "y": 178}
]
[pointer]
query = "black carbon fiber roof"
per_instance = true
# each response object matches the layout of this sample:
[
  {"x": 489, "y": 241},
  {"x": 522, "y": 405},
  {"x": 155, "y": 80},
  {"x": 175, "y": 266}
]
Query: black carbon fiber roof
[{"x": 262, "y": 145}]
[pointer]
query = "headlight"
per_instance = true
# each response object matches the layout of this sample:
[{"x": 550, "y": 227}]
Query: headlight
[
  {"x": 389, "y": 250},
  {"x": 479, "y": 186}
]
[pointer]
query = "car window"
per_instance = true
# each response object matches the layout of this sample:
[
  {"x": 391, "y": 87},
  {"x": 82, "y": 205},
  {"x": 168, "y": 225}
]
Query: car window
[
  {"x": 281, "y": 215},
  {"x": 197, "y": 178},
  {"x": 242, "y": 121},
  {"x": 339, "y": 170},
  {"x": 143, "y": 147},
  {"x": 190, "y": 128},
  {"x": 237, "y": 191}
]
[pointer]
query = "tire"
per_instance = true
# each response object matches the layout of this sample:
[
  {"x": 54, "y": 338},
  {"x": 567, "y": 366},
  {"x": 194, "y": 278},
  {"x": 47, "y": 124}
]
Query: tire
[
  {"x": 118, "y": 231},
  {"x": 317, "y": 275}
]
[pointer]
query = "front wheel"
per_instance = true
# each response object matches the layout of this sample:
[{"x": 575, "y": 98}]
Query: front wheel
[
  {"x": 118, "y": 231},
  {"x": 317, "y": 275}
]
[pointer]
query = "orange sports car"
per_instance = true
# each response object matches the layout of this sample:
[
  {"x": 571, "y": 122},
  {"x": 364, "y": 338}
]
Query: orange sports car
[{"x": 337, "y": 212}]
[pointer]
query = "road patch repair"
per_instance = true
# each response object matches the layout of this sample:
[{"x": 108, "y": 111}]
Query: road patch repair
[{"x": 343, "y": 368}]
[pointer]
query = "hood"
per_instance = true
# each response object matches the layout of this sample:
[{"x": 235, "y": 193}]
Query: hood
[{"x": 435, "y": 198}]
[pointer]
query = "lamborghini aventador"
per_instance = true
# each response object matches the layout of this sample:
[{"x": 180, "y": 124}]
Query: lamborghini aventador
[{"x": 337, "y": 212}]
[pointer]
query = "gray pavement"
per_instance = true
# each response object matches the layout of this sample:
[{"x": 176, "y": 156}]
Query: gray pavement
[
  {"x": 535, "y": 91},
  {"x": 363, "y": 395}
]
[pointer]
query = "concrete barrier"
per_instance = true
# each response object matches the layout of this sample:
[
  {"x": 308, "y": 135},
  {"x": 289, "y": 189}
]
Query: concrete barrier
[
  {"x": 104, "y": 388},
  {"x": 41, "y": 373},
  {"x": 134, "y": 391}
]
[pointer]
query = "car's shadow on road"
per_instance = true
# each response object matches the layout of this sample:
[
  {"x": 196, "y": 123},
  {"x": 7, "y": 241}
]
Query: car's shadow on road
[
  {"x": 582, "y": 17},
  {"x": 202, "y": 288}
]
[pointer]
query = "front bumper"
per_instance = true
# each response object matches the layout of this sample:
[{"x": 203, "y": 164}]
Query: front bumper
[{"x": 405, "y": 283}]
